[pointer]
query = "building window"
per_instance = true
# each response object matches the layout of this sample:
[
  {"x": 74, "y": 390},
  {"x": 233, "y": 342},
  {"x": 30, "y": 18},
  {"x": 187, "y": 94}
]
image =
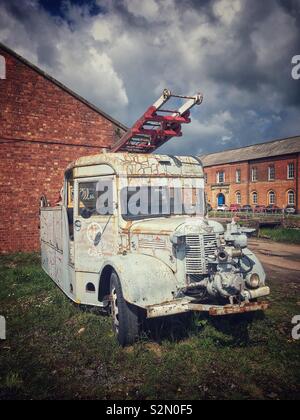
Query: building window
[
  {"x": 272, "y": 197},
  {"x": 206, "y": 178},
  {"x": 254, "y": 174},
  {"x": 221, "y": 177},
  {"x": 254, "y": 197},
  {"x": 271, "y": 173},
  {"x": 238, "y": 197},
  {"x": 238, "y": 176},
  {"x": 291, "y": 171},
  {"x": 291, "y": 198},
  {"x": 2, "y": 68}
]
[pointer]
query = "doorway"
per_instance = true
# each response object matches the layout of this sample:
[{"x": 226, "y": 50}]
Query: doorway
[{"x": 221, "y": 199}]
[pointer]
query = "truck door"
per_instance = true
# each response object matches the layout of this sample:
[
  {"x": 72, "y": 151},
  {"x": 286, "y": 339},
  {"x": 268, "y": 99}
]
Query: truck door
[{"x": 95, "y": 222}]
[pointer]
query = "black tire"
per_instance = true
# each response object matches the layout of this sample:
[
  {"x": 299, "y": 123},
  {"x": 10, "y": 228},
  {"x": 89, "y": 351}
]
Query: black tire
[{"x": 125, "y": 316}]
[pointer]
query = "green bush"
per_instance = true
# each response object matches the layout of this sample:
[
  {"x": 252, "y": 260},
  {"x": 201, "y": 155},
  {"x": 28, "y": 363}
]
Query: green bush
[{"x": 281, "y": 235}]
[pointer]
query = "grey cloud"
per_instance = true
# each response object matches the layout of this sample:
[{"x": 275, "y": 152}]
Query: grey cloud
[{"x": 237, "y": 52}]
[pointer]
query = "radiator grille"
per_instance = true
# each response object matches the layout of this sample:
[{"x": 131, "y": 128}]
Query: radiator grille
[
  {"x": 210, "y": 245},
  {"x": 198, "y": 249}
]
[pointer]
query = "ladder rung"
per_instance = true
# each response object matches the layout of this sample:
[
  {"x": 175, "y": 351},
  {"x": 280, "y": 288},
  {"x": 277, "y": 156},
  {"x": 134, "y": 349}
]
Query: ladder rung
[
  {"x": 182, "y": 96},
  {"x": 153, "y": 129},
  {"x": 169, "y": 111}
]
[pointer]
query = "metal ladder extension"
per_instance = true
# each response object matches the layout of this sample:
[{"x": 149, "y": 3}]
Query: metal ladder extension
[{"x": 157, "y": 125}]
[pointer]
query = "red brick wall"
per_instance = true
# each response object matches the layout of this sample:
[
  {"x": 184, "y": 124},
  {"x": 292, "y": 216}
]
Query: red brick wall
[
  {"x": 37, "y": 111},
  {"x": 263, "y": 186},
  {"x": 230, "y": 187},
  {"x": 281, "y": 185}
]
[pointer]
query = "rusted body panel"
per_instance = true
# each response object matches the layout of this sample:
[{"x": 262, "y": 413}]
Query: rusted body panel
[
  {"x": 184, "y": 305},
  {"x": 145, "y": 280}
]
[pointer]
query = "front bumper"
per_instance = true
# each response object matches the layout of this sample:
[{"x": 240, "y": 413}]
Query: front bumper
[{"x": 181, "y": 306}]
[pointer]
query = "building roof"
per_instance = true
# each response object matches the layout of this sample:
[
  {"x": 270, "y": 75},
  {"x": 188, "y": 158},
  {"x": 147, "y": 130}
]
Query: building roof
[
  {"x": 257, "y": 151},
  {"x": 62, "y": 86}
]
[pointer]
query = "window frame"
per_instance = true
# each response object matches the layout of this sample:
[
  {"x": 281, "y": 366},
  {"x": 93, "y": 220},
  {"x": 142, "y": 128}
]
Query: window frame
[
  {"x": 254, "y": 174},
  {"x": 271, "y": 173},
  {"x": 238, "y": 200},
  {"x": 254, "y": 194},
  {"x": 218, "y": 177},
  {"x": 2, "y": 67},
  {"x": 291, "y": 164},
  {"x": 273, "y": 194},
  {"x": 95, "y": 180},
  {"x": 238, "y": 176},
  {"x": 288, "y": 198}
]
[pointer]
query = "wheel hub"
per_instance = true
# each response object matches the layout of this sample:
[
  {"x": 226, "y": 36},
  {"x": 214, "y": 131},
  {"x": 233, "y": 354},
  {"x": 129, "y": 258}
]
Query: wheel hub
[{"x": 115, "y": 309}]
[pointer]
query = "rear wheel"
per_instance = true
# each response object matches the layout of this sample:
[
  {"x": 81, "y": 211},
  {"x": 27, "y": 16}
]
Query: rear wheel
[{"x": 125, "y": 316}]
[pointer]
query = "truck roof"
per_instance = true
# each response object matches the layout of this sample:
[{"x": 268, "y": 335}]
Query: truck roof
[{"x": 135, "y": 164}]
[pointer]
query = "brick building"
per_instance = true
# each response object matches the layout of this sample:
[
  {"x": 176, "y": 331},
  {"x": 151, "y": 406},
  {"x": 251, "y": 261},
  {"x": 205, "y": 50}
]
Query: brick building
[
  {"x": 43, "y": 127},
  {"x": 262, "y": 174}
]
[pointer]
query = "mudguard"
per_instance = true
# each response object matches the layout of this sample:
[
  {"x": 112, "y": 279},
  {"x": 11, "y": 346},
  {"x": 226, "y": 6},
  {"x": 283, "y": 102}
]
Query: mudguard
[
  {"x": 257, "y": 266},
  {"x": 145, "y": 280}
]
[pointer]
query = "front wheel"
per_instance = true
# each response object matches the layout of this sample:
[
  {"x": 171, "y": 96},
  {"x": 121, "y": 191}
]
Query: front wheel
[{"x": 125, "y": 316}]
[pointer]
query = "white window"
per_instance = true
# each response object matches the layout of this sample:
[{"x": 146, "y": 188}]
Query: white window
[
  {"x": 254, "y": 174},
  {"x": 254, "y": 197},
  {"x": 2, "y": 68},
  {"x": 271, "y": 173},
  {"x": 220, "y": 177},
  {"x": 291, "y": 171},
  {"x": 238, "y": 197},
  {"x": 291, "y": 198},
  {"x": 238, "y": 176},
  {"x": 272, "y": 197}
]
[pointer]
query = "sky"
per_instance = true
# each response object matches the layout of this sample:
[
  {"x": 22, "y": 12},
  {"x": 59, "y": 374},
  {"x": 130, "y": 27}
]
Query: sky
[{"x": 121, "y": 54}]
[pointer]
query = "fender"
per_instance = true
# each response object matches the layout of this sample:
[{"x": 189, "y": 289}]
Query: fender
[
  {"x": 258, "y": 268},
  {"x": 145, "y": 280}
]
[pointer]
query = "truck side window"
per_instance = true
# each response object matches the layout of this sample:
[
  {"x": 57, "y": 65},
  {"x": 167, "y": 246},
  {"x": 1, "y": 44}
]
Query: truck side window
[
  {"x": 87, "y": 198},
  {"x": 95, "y": 198}
]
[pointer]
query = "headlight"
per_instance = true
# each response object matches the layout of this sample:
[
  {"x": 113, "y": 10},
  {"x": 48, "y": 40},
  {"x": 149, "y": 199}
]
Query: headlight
[{"x": 254, "y": 281}]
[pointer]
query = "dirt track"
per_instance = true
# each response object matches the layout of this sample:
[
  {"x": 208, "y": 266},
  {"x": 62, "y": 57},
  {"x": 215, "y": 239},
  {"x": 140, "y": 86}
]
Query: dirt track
[{"x": 281, "y": 261}]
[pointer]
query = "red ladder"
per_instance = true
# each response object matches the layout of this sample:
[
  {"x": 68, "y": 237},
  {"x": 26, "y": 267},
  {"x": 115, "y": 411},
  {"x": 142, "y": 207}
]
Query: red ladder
[{"x": 157, "y": 125}]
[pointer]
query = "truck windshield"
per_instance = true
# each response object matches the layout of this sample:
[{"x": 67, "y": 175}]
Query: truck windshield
[{"x": 141, "y": 202}]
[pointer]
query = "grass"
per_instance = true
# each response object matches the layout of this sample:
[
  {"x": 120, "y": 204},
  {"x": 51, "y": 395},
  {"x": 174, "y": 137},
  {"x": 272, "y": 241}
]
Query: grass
[
  {"x": 291, "y": 236},
  {"x": 55, "y": 349}
]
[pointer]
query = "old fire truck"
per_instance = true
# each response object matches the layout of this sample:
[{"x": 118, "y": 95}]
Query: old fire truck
[{"x": 122, "y": 238}]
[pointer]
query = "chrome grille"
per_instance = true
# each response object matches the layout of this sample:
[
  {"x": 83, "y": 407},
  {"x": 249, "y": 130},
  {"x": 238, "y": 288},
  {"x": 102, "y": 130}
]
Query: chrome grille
[
  {"x": 198, "y": 250},
  {"x": 210, "y": 245}
]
